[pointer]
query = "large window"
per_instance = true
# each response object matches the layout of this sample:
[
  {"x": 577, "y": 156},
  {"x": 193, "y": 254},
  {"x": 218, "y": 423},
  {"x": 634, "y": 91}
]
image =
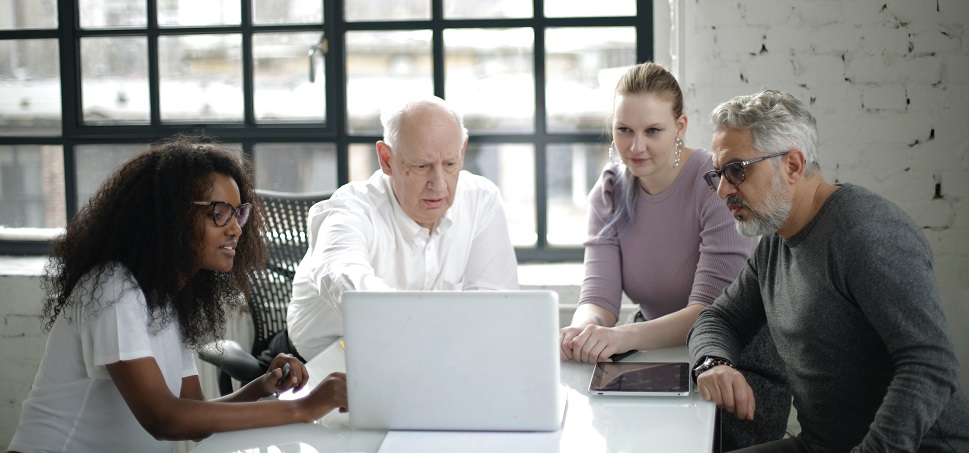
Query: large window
[{"x": 298, "y": 85}]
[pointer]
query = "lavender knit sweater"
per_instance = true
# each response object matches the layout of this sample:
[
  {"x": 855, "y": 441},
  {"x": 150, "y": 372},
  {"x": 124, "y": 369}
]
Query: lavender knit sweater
[{"x": 680, "y": 249}]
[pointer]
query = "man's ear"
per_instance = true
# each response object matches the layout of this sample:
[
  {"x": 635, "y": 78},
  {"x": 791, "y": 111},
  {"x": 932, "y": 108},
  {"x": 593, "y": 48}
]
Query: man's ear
[
  {"x": 794, "y": 165},
  {"x": 383, "y": 156}
]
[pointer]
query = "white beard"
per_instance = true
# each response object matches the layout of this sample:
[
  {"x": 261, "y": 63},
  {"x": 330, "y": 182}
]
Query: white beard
[{"x": 776, "y": 207}]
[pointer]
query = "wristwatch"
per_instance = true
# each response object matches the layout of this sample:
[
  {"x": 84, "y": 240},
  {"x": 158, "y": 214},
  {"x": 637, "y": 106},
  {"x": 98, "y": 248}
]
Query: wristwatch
[{"x": 710, "y": 362}]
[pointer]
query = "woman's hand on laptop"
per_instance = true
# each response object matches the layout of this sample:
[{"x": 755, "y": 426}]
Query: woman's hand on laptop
[{"x": 330, "y": 394}]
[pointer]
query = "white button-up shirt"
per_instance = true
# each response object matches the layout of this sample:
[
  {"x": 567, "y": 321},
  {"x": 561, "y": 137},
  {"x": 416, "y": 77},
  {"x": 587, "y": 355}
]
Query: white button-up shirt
[{"x": 360, "y": 239}]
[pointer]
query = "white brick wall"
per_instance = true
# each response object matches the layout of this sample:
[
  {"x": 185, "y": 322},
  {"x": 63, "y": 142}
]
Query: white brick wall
[
  {"x": 888, "y": 81},
  {"x": 21, "y": 338}
]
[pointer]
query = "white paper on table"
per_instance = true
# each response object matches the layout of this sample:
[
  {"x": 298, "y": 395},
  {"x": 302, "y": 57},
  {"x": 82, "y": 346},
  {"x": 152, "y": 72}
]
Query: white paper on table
[{"x": 470, "y": 442}]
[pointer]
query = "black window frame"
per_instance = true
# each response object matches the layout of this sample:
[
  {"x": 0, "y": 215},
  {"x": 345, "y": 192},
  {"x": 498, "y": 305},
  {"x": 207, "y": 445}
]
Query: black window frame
[{"x": 249, "y": 132}]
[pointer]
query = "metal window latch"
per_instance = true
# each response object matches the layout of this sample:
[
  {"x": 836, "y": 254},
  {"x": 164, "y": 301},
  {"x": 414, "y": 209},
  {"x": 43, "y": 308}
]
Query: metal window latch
[{"x": 321, "y": 47}]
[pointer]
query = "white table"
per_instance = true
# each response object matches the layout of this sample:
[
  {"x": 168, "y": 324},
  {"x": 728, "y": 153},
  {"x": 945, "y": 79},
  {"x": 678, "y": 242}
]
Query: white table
[{"x": 592, "y": 424}]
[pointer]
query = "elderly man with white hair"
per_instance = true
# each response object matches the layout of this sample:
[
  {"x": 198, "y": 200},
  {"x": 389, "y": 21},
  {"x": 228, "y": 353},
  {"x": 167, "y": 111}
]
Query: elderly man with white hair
[{"x": 419, "y": 223}]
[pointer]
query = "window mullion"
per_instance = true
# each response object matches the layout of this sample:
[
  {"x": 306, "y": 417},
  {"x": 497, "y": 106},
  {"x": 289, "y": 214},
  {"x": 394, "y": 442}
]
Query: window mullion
[
  {"x": 154, "y": 92},
  {"x": 69, "y": 47},
  {"x": 248, "y": 86}
]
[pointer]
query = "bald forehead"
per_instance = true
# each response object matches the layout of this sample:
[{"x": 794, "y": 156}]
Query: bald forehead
[
  {"x": 429, "y": 118},
  {"x": 429, "y": 133}
]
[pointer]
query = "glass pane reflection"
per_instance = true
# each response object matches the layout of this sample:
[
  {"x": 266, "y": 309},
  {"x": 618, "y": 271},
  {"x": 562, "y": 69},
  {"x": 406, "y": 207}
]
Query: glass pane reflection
[
  {"x": 295, "y": 167},
  {"x": 112, "y": 13},
  {"x": 363, "y": 161},
  {"x": 95, "y": 163},
  {"x": 183, "y": 13},
  {"x": 383, "y": 69},
  {"x": 396, "y": 10},
  {"x": 200, "y": 77},
  {"x": 32, "y": 193},
  {"x": 287, "y": 11},
  {"x": 583, "y": 66},
  {"x": 28, "y": 14},
  {"x": 489, "y": 76},
  {"x": 585, "y": 8},
  {"x": 571, "y": 172},
  {"x": 463, "y": 9},
  {"x": 30, "y": 87},
  {"x": 114, "y": 80},
  {"x": 512, "y": 167},
  {"x": 283, "y": 90}
]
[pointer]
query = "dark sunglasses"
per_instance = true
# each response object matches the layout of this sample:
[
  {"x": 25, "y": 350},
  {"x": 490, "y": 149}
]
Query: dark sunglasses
[
  {"x": 734, "y": 171},
  {"x": 222, "y": 212}
]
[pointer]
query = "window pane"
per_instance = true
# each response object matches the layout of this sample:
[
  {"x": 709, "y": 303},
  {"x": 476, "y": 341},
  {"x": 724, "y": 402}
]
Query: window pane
[
  {"x": 583, "y": 66},
  {"x": 490, "y": 77},
  {"x": 585, "y": 8},
  {"x": 95, "y": 163},
  {"x": 295, "y": 167},
  {"x": 32, "y": 186},
  {"x": 287, "y": 11},
  {"x": 200, "y": 77},
  {"x": 512, "y": 167},
  {"x": 30, "y": 87},
  {"x": 363, "y": 161},
  {"x": 283, "y": 90},
  {"x": 26, "y": 14},
  {"x": 397, "y": 10},
  {"x": 572, "y": 170},
  {"x": 114, "y": 80},
  {"x": 384, "y": 68},
  {"x": 463, "y": 9},
  {"x": 181, "y": 13},
  {"x": 113, "y": 13}
]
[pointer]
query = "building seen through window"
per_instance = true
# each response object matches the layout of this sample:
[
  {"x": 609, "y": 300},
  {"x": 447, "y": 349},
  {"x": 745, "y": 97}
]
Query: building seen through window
[{"x": 298, "y": 86}]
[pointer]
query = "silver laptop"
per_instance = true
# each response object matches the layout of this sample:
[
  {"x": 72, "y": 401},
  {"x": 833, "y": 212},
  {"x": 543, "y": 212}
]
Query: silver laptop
[{"x": 453, "y": 360}]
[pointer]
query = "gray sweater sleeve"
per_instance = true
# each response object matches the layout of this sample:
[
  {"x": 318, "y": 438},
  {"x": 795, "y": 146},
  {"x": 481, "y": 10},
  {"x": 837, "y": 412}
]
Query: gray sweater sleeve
[
  {"x": 724, "y": 328},
  {"x": 890, "y": 277}
]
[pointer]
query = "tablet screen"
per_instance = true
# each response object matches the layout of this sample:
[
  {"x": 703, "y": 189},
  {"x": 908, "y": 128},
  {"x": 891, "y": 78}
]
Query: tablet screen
[{"x": 641, "y": 378}]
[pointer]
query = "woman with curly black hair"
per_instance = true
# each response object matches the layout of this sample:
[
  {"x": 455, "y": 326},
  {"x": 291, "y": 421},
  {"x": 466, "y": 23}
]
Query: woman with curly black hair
[{"x": 146, "y": 273}]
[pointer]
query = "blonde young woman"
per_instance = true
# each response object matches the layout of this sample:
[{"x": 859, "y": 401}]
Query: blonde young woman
[{"x": 658, "y": 234}]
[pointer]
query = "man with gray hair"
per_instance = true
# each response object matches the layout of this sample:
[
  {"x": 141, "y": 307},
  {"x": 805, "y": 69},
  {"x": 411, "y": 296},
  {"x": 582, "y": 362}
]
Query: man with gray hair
[
  {"x": 419, "y": 223},
  {"x": 843, "y": 278}
]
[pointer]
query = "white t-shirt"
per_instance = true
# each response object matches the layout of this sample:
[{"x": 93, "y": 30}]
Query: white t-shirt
[
  {"x": 74, "y": 405},
  {"x": 361, "y": 240}
]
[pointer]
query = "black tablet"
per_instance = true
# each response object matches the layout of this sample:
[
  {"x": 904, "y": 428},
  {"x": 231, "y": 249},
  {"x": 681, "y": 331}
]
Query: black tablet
[{"x": 641, "y": 379}]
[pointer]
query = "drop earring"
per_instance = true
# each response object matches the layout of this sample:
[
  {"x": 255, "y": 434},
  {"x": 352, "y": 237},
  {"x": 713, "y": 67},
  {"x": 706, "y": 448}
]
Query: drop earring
[
  {"x": 612, "y": 152},
  {"x": 676, "y": 153}
]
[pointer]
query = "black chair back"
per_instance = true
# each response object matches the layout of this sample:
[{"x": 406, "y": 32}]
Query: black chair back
[{"x": 286, "y": 243}]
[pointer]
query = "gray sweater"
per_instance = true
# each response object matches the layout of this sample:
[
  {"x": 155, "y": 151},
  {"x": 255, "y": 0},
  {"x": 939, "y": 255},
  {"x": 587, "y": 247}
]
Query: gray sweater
[{"x": 854, "y": 309}]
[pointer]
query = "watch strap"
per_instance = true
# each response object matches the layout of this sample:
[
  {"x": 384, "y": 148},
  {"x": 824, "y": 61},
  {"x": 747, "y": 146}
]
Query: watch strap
[{"x": 708, "y": 363}]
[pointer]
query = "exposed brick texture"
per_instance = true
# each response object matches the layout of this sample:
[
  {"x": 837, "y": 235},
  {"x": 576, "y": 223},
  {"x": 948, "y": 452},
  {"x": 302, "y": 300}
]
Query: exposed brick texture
[{"x": 888, "y": 81}]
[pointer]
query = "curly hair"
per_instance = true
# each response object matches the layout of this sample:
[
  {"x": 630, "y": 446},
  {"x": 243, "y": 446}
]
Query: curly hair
[{"x": 142, "y": 218}]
